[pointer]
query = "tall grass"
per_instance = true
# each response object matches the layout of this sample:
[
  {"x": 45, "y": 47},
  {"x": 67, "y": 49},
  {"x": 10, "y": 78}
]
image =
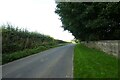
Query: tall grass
[
  {"x": 15, "y": 39},
  {"x": 18, "y": 43},
  {"x": 20, "y": 54}
]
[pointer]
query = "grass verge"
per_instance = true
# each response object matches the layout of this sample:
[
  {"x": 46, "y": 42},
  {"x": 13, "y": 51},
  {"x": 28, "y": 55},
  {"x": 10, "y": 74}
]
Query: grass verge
[
  {"x": 92, "y": 63},
  {"x": 20, "y": 54}
]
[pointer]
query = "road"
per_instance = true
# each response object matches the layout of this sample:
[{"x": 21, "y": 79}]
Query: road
[{"x": 53, "y": 63}]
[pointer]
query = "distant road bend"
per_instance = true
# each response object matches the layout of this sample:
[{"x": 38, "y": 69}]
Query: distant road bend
[{"x": 53, "y": 63}]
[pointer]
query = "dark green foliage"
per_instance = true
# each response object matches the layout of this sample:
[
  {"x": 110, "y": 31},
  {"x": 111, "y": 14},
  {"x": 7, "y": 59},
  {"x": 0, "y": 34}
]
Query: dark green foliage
[
  {"x": 19, "y": 43},
  {"x": 92, "y": 63},
  {"x": 91, "y": 21},
  {"x": 14, "y": 39},
  {"x": 20, "y": 54}
]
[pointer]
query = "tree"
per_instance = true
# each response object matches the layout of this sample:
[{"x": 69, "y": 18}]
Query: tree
[{"x": 90, "y": 21}]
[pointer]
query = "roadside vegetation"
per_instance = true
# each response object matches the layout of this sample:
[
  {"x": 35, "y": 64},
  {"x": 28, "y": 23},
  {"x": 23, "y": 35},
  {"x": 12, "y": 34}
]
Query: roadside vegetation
[
  {"x": 92, "y": 63},
  {"x": 90, "y": 21},
  {"x": 18, "y": 43}
]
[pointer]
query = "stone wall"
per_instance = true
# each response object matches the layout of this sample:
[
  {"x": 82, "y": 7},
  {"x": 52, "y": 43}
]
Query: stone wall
[{"x": 108, "y": 46}]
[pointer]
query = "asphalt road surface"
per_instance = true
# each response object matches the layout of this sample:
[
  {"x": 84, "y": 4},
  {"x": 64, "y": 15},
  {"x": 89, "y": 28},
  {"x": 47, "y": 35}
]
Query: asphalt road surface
[{"x": 53, "y": 63}]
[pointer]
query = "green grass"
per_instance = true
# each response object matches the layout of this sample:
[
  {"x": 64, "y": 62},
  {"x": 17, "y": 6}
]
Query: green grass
[
  {"x": 20, "y": 54},
  {"x": 92, "y": 63}
]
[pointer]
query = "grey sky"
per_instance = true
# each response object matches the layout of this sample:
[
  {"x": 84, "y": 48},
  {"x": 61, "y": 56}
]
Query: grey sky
[{"x": 34, "y": 15}]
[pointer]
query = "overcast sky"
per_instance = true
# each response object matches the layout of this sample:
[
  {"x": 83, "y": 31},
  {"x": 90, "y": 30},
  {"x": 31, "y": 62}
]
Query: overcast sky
[{"x": 34, "y": 15}]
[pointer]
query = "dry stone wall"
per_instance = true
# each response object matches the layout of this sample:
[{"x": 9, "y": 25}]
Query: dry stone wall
[{"x": 108, "y": 46}]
